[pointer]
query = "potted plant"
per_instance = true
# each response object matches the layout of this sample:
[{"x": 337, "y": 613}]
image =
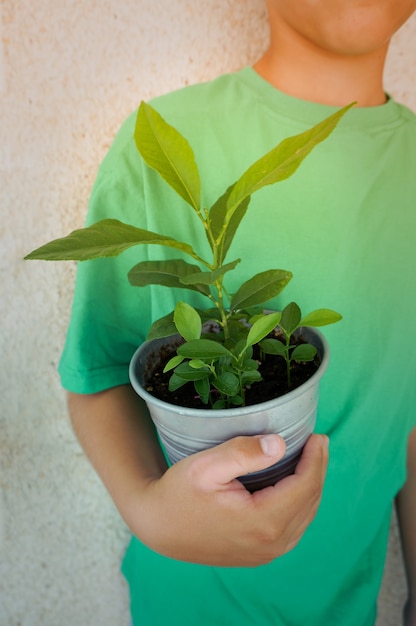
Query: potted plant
[{"x": 218, "y": 352}]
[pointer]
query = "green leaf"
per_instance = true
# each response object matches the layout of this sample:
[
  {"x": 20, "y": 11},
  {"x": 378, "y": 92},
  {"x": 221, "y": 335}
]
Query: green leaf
[
  {"x": 241, "y": 346},
  {"x": 172, "y": 363},
  {"x": 106, "y": 238},
  {"x": 187, "y": 321},
  {"x": 254, "y": 318},
  {"x": 260, "y": 288},
  {"x": 164, "y": 149},
  {"x": 163, "y": 327},
  {"x": 167, "y": 273},
  {"x": 262, "y": 327},
  {"x": 175, "y": 382},
  {"x": 198, "y": 364},
  {"x": 207, "y": 315},
  {"x": 273, "y": 346},
  {"x": 250, "y": 365},
  {"x": 227, "y": 383},
  {"x": 304, "y": 352},
  {"x": 203, "y": 388},
  {"x": 208, "y": 278},
  {"x": 237, "y": 336},
  {"x": 217, "y": 215},
  {"x": 281, "y": 162},
  {"x": 250, "y": 376},
  {"x": 189, "y": 373},
  {"x": 203, "y": 349},
  {"x": 320, "y": 317},
  {"x": 231, "y": 227},
  {"x": 224, "y": 226},
  {"x": 291, "y": 316}
]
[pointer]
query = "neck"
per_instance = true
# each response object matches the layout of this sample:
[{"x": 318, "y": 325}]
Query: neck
[{"x": 301, "y": 69}]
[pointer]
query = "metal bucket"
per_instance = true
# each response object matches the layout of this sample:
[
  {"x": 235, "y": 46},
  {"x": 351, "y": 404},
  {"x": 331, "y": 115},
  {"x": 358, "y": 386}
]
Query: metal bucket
[{"x": 184, "y": 431}]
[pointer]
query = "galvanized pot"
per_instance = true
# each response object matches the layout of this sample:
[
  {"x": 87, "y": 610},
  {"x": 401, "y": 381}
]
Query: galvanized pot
[{"x": 184, "y": 431}]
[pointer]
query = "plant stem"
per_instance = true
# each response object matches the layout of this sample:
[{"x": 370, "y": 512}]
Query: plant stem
[
  {"x": 289, "y": 383},
  {"x": 242, "y": 389},
  {"x": 220, "y": 305}
]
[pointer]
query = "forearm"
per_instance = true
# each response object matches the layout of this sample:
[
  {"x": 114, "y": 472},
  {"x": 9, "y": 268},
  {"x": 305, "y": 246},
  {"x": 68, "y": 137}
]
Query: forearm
[
  {"x": 118, "y": 436},
  {"x": 406, "y": 510}
]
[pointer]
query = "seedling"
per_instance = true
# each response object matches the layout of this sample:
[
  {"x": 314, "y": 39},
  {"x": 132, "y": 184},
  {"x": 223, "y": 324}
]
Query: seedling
[{"x": 223, "y": 361}]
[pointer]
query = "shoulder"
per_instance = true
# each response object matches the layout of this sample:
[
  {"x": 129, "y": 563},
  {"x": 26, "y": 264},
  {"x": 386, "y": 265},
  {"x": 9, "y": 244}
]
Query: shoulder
[
  {"x": 406, "y": 113},
  {"x": 405, "y": 116},
  {"x": 193, "y": 108},
  {"x": 207, "y": 104},
  {"x": 200, "y": 96}
]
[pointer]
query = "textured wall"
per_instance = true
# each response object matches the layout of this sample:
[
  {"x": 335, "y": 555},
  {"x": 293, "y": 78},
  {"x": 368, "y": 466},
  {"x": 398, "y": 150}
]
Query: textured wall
[{"x": 70, "y": 72}]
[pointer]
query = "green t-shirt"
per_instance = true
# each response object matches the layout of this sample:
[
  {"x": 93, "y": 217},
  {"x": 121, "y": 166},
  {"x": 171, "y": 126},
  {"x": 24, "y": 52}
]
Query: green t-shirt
[{"x": 345, "y": 225}]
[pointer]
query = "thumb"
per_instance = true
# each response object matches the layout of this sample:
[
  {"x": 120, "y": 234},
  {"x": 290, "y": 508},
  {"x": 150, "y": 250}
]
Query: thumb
[{"x": 238, "y": 456}]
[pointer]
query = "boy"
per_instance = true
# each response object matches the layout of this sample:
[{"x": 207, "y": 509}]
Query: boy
[{"x": 205, "y": 551}]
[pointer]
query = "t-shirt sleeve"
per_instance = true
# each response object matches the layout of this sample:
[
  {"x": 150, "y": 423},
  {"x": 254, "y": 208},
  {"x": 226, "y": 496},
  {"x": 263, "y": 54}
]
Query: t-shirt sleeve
[{"x": 109, "y": 318}]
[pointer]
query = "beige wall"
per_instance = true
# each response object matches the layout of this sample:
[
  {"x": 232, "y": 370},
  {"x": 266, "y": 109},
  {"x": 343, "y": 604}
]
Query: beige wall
[{"x": 70, "y": 72}]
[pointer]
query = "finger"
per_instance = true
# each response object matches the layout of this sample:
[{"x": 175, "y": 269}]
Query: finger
[
  {"x": 314, "y": 459},
  {"x": 305, "y": 486},
  {"x": 238, "y": 456},
  {"x": 310, "y": 475}
]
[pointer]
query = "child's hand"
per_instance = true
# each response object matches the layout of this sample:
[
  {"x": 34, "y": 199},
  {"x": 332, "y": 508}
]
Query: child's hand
[{"x": 197, "y": 511}]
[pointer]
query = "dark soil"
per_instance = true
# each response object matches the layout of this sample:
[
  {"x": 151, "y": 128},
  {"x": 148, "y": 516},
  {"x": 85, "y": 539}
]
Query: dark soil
[{"x": 273, "y": 385}]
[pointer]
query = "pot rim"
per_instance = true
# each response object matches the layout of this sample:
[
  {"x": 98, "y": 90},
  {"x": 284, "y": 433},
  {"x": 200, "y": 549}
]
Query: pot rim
[{"x": 230, "y": 412}]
